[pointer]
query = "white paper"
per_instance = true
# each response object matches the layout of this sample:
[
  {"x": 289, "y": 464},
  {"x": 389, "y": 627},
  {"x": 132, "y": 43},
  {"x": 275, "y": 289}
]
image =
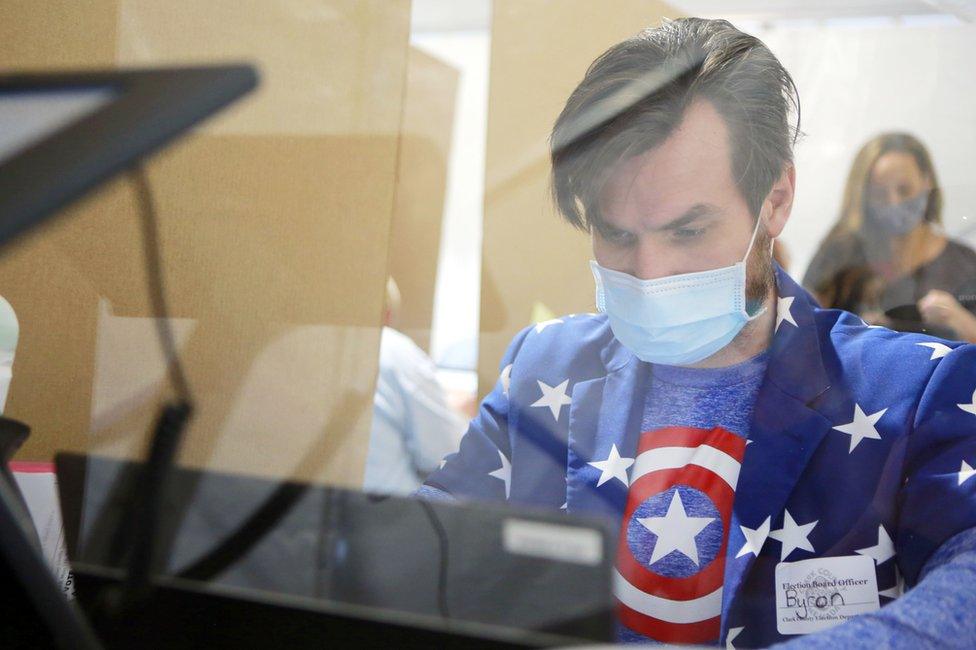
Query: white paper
[
  {"x": 39, "y": 486},
  {"x": 813, "y": 595}
]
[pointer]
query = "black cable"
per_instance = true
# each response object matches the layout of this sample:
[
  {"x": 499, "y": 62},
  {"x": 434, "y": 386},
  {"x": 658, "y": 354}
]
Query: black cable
[
  {"x": 147, "y": 501},
  {"x": 142, "y": 516},
  {"x": 442, "y": 543},
  {"x": 241, "y": 541},
  {"x": 154, "y": 279}
]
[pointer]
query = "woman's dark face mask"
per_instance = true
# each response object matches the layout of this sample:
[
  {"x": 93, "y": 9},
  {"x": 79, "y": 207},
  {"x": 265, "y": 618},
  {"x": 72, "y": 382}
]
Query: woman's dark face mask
[{"x": 899, "y": 218}]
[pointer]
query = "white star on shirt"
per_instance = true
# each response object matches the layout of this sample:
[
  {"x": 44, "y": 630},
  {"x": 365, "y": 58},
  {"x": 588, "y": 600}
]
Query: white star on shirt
[
  {"x": 939, "y": 350},
  {"x": 793, "y": 536},
  {"x": 504, "y": 473},
  {"x": 546, "y": 323},
  {"x": 731, "y": 636},
  {"x": 613, "y": 467},
  {"x": 966, "y": 472},
  {"x": 554, "y": 398},
  {"x": 506, "y": 378},
  {"x": 783, "y": 312},
  {"x": 675, "y": 531},
  {"x": 883, "y": 551},
  {"x": 861, "y": 427},
  {"x": 971, "y": 407},
  {"x": 755, "y": 538}
]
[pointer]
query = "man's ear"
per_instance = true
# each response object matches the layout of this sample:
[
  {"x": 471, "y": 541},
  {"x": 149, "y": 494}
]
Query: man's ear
[{"x": 779, "y": 201}]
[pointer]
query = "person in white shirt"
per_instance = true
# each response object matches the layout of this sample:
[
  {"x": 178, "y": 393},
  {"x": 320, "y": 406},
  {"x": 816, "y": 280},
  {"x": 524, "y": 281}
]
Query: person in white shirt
[{"x": 413, "y": 425}]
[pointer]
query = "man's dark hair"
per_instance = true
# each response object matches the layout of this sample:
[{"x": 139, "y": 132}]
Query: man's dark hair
[{"x": 635, "y": 94}]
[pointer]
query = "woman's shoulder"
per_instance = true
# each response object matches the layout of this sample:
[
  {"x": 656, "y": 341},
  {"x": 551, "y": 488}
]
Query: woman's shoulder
[
  {"x": 959, "y": 253},
  {"x": 956, "y": 267}
]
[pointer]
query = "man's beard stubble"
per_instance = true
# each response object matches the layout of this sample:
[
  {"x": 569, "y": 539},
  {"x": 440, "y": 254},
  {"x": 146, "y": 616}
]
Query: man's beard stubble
[{"x": 760, "y": 276}]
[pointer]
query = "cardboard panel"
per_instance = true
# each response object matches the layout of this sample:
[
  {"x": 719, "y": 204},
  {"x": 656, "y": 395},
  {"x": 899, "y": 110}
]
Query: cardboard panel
[
  {"x": 43, "y": 34},
  {"x": 425, "y": 144},
  {"x": 328, "y": 66},
  {"x": 274, "y": 225},
  {"x": 531, "y": 258}
]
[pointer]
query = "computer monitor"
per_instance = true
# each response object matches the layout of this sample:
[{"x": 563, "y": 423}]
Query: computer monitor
[{"x": 442, "y": 566}]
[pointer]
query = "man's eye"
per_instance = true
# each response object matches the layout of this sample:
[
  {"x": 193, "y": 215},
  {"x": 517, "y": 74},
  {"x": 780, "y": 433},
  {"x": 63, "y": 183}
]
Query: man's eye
[
  {"x": 688, "y": 233},
  {"x": 615, "y": 236}
]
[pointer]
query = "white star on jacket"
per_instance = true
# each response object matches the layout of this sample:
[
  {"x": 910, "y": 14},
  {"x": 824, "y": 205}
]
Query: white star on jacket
[
  {"x": 504, "y": 473},
  {"x": 966, "y": 472},
  {"x": 939, "y": 350},
  {"x": 675, "y": 531},
  {"x": 553, "y": 397},
  {"x": 861, "y": 427},
  {"x": 793, "y": 536},
  {"x": 730, "y": 637},
  {"x": 883, "y": 551},
  {"x": 755, "y": 538},
  {"x": 783, "y": 312},
  {"x": 506, "y": 378},
  {"x": 546, "y": 323},
  {"x": 971, "y": 407},
  {"x": 613, "y": 467},
  {"x": 872, "y": 327}
]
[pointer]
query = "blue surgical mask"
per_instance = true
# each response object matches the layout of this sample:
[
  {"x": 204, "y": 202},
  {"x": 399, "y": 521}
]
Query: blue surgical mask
[
  {"x": 900, "y": 218},
  {"x": 676, "y": 320}
]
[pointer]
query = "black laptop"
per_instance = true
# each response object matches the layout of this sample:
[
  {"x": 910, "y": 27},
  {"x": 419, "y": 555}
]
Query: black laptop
[{"x": 441, "y": 564}]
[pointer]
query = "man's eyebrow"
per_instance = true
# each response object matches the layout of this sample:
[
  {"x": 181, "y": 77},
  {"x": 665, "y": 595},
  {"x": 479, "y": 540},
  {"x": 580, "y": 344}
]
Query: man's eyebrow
[{"x": 694, "y": 213}]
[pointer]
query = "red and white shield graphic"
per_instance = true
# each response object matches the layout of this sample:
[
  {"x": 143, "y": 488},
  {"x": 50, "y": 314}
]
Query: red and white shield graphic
[{"x": 675, "y": 596}]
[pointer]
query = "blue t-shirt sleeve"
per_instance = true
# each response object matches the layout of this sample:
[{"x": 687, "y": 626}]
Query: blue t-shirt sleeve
[{"x": 431, "y": 493}]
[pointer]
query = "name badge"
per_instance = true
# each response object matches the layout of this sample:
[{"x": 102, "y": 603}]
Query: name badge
[{"x": 813, "y": 595}]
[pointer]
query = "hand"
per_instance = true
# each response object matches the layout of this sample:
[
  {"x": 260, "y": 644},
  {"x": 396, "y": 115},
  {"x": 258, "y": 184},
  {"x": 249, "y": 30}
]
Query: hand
[
  {"x": 942, "y": 309},
  {"x": 464, "y": 403}
]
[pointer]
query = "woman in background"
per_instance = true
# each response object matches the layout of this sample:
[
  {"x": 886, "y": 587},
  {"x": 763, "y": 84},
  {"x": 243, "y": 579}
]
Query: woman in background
[{"x": 887, "y": 257}]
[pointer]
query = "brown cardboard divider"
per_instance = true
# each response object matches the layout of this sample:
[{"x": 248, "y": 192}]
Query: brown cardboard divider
[
  {"x": 274, "y": 227},
  {"x": 252, "y": 267}
]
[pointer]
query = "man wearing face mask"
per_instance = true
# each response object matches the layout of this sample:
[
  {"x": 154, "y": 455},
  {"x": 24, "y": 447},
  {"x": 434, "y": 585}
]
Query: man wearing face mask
[{"x": 775, "y": 469}]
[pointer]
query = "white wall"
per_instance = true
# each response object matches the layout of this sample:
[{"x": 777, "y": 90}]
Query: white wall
[{"x": 457, "y": 296}]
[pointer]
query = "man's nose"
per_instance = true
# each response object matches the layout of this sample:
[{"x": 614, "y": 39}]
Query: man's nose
[{"x": 651, "y": 261}]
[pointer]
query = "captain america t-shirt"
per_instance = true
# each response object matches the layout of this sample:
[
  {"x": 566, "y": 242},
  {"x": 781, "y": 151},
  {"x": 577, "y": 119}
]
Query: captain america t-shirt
[{"x": 671, "y": 559}]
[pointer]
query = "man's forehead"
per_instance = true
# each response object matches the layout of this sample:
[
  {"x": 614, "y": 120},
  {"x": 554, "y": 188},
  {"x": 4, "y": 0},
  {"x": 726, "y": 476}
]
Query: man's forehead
[{"x": 692, "y": 166}]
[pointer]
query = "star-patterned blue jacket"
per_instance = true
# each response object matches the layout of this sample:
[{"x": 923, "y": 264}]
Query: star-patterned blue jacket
[{"x": 863, "y": 442}]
